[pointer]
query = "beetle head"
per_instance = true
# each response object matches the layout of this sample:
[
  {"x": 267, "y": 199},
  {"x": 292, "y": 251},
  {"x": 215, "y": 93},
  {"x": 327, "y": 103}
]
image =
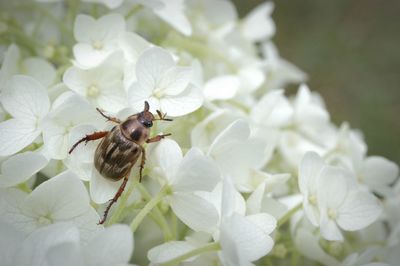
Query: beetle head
[{"x": 146, "y": 117}]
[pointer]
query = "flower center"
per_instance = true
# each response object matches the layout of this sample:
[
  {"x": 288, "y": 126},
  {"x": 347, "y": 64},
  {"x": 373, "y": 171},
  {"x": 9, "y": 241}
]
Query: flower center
[
  {"x": 93, "y": 91},
  {"x": 312, "y": 199},
  {"x": 158, "y": 93},
  {"x": 44, "y": 220},
  {"x": 98, "y": 45},
  {"x": 332, "y": 214}
]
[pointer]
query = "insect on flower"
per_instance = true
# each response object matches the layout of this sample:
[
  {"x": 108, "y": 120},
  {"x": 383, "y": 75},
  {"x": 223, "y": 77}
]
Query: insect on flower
[{"x": 121, "y": 147}]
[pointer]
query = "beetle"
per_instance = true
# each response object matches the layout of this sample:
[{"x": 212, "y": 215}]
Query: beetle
[{"x": 121, "y": 147}]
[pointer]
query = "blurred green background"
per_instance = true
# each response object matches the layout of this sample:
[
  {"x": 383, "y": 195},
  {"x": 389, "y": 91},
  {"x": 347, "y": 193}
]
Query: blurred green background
[{"x": 351, "y": 51}]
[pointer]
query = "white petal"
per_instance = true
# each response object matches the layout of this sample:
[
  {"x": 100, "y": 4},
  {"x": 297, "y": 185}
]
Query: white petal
[
  {"x": 35, "y": 247},
  {"x": 379, "y": 171},
  {"x": 112, "y": 246},
  {"x": 24, "y": 97},
  {"x": 252, "y": 77},
  {"x": 88, "y": 57},
  {"x": 173, "y": 14},
  {"x": 10, "y": 243},
  {"x": 308, "y": 245},
  {"x": 132, "y": 45},
  {"x": 252, "y": 242},
  {"x": 188, "y": 101},
  {"x": 65, "y": 254},
  {"x": 137, "y": 95},
  {"x": 258, "y": 25},
  {"x": 175, "y": 80},
  {"x": 41, "y": 70},
  {"x": 309, "y": 169},
  {"x": 166, "y": 154},
  {"x": 151, "y": 66},
  {"x": 10, "y": 64},
  {"x": 83, "y": 25},
  {"x": 221, "y": 87},
  {"x": 169, "y": 250},
  {"x": 102, "y": 189},
  {"x": 62, "y": 198},
  {"x": 329, "y": 229},
  {"x": 21, "y": 167},
  {"x": 358, "y": 211},
  {"x": 231, "y": 200},
  {"x": 110, "y": 26},
  {"x": 264, "y": 221},
  {"x": 194, "y": 211},
  {"x": 196, "y": 172},
  {"x": 16, "y": 134},
  {"x": 332, "y": 187}
]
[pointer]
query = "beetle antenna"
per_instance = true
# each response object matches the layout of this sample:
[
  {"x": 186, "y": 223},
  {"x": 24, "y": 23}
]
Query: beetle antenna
[
  {"x": 162, "y": 116},
  {"x": 146, "y": 106}
]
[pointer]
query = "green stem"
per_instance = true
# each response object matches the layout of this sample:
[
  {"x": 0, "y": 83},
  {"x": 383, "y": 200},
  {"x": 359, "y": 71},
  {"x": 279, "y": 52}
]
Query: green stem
[
  {"x": 214, "y": 246},
  {"x": 24, "y": 187},
  {"x": 149, "y": 206},
  {"x": 124, "y": 198},
  {"x": 288, "y": 215},
  {"x": 160, "y": 219},
  {"x": 133, "y": 11}
]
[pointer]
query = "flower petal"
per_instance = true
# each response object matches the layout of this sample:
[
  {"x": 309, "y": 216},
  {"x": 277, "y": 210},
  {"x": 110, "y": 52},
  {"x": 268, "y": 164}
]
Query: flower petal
[
  {"x": 151, "y": 66},
  {"x": 25, "y": 98},
  {"x": 63, "y": 197},
  {"x": 169, "y": 250},
  {"x": 194, "y": 211},
  {"x": 221, "y": 87},
  {"x": 113, "y": 246},
  {"x": 358, "y": 211},
  {"x": 252, "y": 242},
  {"x": 175, "y": 80},
  {"x": 102, "y": 189},
  {"x": 16, "y": 134},
  {"x": 21, "y": 167},
  {"x": 196, "y": 172},
  {"x": 184, "y": 103}
]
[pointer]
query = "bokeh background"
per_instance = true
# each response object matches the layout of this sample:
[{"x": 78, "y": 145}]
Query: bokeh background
[{"x": 350, "y": 50}]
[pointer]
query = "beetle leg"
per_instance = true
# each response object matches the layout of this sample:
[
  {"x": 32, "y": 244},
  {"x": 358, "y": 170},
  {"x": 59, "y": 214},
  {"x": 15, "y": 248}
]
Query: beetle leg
[
  {"x": 109, "y": 118},
  {"x": 157, "y": 138},
  {"x": 143, "y": 160},
  {"x": 87, "y": 138},
  {"x": 116, "y": 197}
]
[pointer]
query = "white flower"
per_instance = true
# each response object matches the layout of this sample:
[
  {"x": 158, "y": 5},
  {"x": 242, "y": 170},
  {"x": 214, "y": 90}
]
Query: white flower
[
  {"x": 97, "y": 39},
  {"x": 68, "y": 110},
  {"x": 331, "y": 199},
  {"x": 35, "y": 67},
  {"x": 237, "y": 154},
  {"x": 243, "y": 238},
  {"x": 26, "y": 100},
  {"x": 184, "y": 176},
  {"x": 12, "y": 173},
  {"x": 279, "y": 71},
  {"x": 63, "y": 198},
  {"x": 172, "y": 12},
  {"x": 261, "y": 15},
  {"x": 102, "y": 86},
  {"x": 164, "y": 85},
  {"x": 61, "y": 244}
]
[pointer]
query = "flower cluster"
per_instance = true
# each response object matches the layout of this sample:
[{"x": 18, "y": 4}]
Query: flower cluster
[{"x": 249, "y": 175}]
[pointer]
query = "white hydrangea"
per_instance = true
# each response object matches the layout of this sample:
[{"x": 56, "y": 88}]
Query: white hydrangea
[{"x": 248, "y": 175}]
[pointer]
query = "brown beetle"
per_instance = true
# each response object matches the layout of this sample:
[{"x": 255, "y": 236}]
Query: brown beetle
[{"x": 121, "y": 147}]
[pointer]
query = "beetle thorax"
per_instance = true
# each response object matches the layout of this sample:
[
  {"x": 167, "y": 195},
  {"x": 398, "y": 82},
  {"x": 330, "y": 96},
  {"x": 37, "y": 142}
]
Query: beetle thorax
[{"x": 133, "y": 130}]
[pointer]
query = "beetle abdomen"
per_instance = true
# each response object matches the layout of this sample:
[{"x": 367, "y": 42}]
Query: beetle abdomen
[{"x": 115, "y": 155}]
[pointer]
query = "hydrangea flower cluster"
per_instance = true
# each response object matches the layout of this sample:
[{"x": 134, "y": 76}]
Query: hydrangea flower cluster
[{"x": 251, "y": 174}]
